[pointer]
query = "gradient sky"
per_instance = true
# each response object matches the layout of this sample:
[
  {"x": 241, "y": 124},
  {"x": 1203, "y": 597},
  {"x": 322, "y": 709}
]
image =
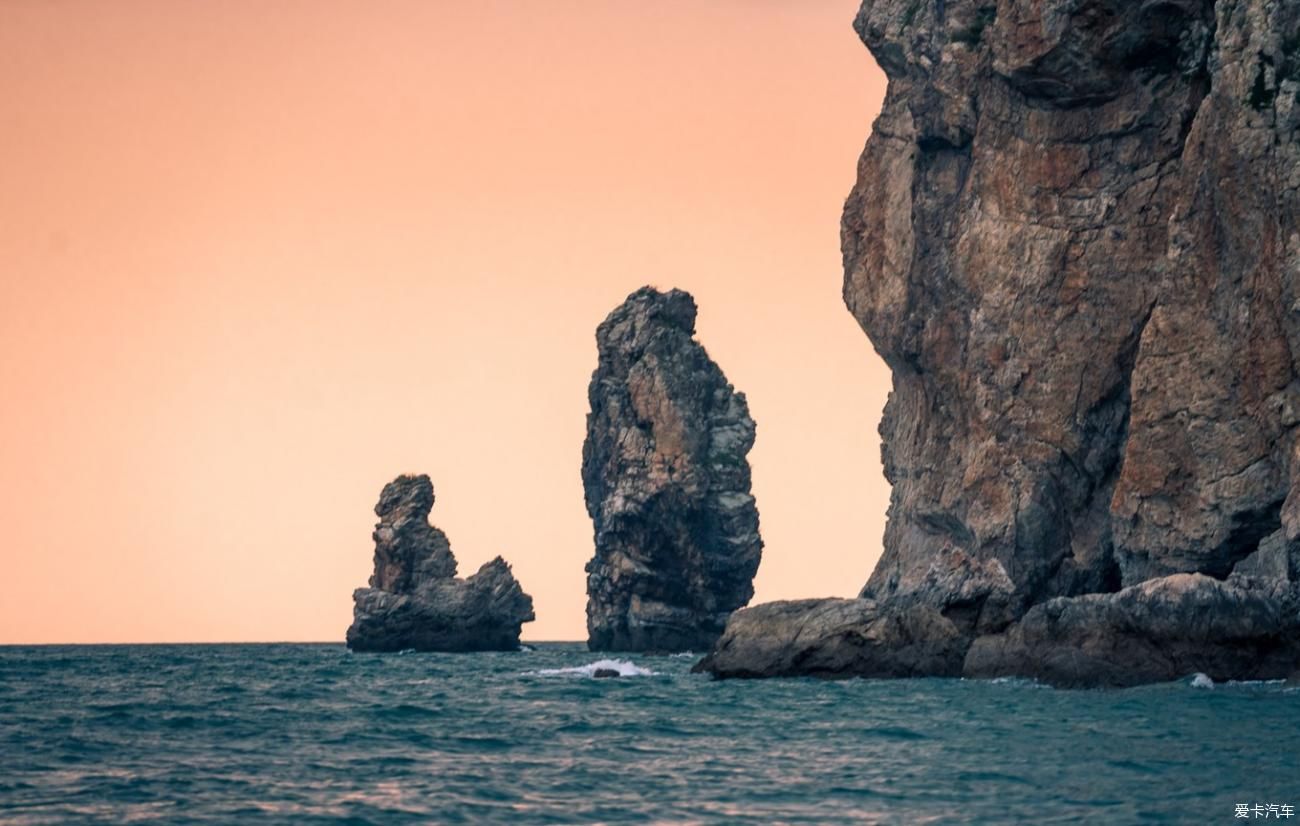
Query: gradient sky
[{"x": 258, "y": 258}]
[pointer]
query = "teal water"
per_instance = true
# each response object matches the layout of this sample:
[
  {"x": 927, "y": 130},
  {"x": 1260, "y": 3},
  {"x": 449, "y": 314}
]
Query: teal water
[{"x": 313, "y": 734}]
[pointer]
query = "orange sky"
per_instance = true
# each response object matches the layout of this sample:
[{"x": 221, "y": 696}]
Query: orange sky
[{"x": 260, "y": 257}]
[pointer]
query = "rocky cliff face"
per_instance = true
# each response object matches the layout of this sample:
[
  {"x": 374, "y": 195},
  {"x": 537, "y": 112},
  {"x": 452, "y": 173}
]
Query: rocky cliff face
[
  {"x": 666, "y": 482},
  {"x": 1075, "y": 239},
  {"x": 415, "y": 601}
]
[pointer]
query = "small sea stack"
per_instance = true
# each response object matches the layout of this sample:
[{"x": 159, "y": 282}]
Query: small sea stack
[
  {"x": 416, "y": 601},
  {"x": 667, "y": 483}
]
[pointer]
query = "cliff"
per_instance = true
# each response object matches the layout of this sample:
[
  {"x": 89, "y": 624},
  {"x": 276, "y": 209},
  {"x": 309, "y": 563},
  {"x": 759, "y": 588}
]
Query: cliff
[
  {"x": 1075, "y": 241},
  {"x": 415, "y": 601},
  {"x": 666, "y": 483}
]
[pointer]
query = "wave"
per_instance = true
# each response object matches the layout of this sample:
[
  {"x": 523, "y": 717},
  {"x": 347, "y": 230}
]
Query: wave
[
  {"x": 1200, "y": 680},
  {"x": 1018, "y": 682},
  {"x": 624, "y": 668}
]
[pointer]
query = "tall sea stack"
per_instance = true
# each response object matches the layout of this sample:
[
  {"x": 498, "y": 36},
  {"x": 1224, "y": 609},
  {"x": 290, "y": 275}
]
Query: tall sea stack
[
  {"x": 415, "y": 601},
  {"x": 666, "y": 483},
  {"x": 1075, "y": 240}
]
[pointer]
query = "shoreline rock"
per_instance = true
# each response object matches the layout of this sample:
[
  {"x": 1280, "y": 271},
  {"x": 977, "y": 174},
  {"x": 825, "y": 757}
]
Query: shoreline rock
[
  {"x": 1075, "y": 240},
  {"x": 666, "y": 483},
  {"x": 1159, "y": 631},
  {"x": 416, "y": 602},
  {"x": 836, "y": 638}
]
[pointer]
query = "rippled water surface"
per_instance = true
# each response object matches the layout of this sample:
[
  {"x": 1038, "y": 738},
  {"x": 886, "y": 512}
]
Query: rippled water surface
[{"x": 311, "y": 733}]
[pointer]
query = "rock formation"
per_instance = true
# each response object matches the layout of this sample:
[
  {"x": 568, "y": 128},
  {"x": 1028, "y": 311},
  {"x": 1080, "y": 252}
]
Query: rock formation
[
  {"x": 666, "y": 482},
  {"x": 1075, "y": 240},
  {"x": 415, "y": 601}
]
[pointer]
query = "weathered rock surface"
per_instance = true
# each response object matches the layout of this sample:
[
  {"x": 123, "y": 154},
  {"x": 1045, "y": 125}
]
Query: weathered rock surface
[
  {"x": 666, "y": 482},
  {"x": 415, "y": 601},
  {"x": 1075, "y": 240},
  {"x": 850, "y": 638},
  {"x": 1160, "y": 630}
]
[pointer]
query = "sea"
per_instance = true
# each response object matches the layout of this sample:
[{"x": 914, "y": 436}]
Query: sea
[{"x": 293, "y": 733}]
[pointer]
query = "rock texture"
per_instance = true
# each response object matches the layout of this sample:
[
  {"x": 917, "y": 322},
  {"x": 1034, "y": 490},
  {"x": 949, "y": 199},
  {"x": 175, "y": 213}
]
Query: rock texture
[
  {"x": 1075, "y": 239},
  {"x": 666, "y": 483},
  {"x": 415, "y": 601}
]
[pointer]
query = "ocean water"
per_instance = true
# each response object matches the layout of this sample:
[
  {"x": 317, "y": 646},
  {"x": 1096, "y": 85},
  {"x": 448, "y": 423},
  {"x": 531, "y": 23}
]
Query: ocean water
[{"x": 312, "y": 734}]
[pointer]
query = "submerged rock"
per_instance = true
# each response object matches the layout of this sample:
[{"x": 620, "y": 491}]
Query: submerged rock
[
  {"x": 1075, "y": 240},
  {"x": 666, "y": 483},
  {"x": 415, "y": 601}
]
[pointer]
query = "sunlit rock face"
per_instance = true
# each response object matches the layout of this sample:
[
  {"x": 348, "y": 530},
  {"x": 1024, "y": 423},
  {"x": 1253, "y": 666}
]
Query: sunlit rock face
[
  {"x": 667, "y": 483},
  {"x": 415, "y": 601},
  {"x": 1075, "y": 240}
]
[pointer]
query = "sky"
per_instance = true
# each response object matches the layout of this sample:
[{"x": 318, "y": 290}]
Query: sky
[{"x": 259, "y": 258}]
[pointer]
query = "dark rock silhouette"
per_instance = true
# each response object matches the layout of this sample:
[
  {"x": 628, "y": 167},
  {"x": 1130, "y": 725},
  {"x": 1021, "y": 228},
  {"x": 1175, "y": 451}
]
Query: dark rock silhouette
[
  {"x": 415, "y": 601},
  {"x": 666, "y": 482},
  {"x": 1075, "y": 240}
]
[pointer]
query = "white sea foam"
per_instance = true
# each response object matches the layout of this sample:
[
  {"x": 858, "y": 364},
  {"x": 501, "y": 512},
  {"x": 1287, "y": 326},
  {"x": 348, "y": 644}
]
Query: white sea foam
[
  {"x": 685, "y": 655},
  {"x": 1202, "y": 681},
  {"x": 625, "y": 668},
  {"x": 1019, "y": 682}
]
